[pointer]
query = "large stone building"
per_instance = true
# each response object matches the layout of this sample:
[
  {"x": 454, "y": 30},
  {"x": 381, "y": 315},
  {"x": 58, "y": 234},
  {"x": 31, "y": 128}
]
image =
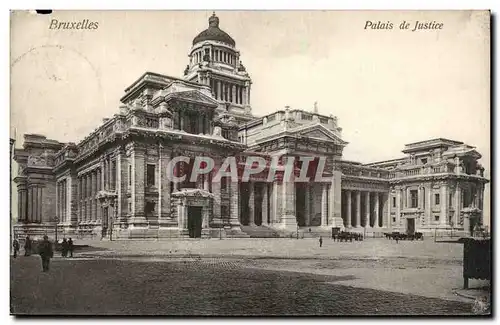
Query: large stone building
[{"x": 114, "y": 184}]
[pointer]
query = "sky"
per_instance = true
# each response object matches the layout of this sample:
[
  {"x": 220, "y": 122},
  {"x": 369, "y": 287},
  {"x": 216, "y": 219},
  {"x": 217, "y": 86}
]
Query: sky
[{"x": 387, "y": 87}]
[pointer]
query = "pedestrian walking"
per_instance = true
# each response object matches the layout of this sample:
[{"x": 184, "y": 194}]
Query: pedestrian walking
[
  {"x": 15, "y": 245},
  {"x": 320, "y": 241},
  {"x": 70, "y": 247},
  {"x": 46, "y": 253},
  {"x": 27, "y": 246},
  {"x": 64, "y": 248}
]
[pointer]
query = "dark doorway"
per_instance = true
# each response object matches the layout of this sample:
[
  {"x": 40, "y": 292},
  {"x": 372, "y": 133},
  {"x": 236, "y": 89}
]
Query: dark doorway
[
  {"x": 194, "y": 222},
  {"x": 244, "y": 198},
  {"x": 258, "y": 203},
  {"x": 300, "y": 203},
  {"x": 410, "y": 226}
]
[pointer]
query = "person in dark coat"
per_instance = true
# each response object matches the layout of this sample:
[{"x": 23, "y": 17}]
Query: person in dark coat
[
  {"x": 15, "y": 245},
  {"x": 64, "y": 246},
  {"x": 46, "y": 253},
  {"x": 70, "y": 247},
  {"x": 27, "y": 246},
  {"x": 320, "y": 241}
]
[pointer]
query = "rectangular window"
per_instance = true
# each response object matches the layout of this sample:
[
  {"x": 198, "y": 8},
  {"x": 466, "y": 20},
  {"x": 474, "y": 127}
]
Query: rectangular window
[
  {"x": 129, "y": 175},
  {"x": 414, "y": 198},
  {"x": 436, "y": 218},
  {"x": 393, "y": 219},
  {"x": 436, "y": 199},
  {"x": 130, "y": 207},
  {"x": 450, "y": 199},
  {"x": 150, "y": 172},
  {"x": 393, "y": 201}
]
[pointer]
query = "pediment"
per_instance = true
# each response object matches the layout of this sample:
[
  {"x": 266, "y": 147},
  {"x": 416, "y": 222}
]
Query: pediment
[
  {"x": 194, "y": 96},
  {"x": 319, "y": 132}
]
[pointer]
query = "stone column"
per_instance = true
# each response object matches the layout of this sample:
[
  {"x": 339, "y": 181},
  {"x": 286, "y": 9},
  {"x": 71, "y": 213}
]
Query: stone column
[
  {"x": 335, "y": 198},
  {"x": 428, "y": 205},
  {"x": 367, "y": 210},
  {"x": 216, "y": 190},
  {"x": 89, "y": 197},
  {"x": 276, "y": 203},
  {"x": 38, "y": 204},
  {"x": 358, "y": 209},
  {"x": 377, "y": 210},
  {"x": 58, "y": 200},
  {"x": 456, "y": 215},
  {"x": 348, "y": 219},
  {"x": 163, "y": 187},
  {"x": 265, "y": 198},
  {"x": 206, "y": 182},
  {"x": 99, "y": 186},
  {"x": 251, "y": 203},
  {"x": 443, "y": 215},
  {"x": 419, "y": 197},
  {"x": 289, "y": 219},
  {"x": 94, "y": 193},
  {"x": 234, "y": 205},
  {"x": 398, "y": 206},
  {"x": 307, "y": 199},
  {"x": 244, "y": 99},
  {"x": 35, "y": 204},
  {"x": 233, "y": 89},
  {"x": 386, "y": 221},
  {"x": 324, "y": 204},
  {"x": 219, "y": 90},
  {"x": 138, "y": 161}
]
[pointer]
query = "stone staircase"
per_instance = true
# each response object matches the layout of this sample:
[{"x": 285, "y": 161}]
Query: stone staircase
[{"x": 260, "y": 232}]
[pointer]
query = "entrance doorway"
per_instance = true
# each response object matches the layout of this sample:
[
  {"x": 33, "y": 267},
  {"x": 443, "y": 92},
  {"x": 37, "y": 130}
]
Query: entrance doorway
[
  {"x": 194, "y": 221},
  {"x": 410, "y": 226}
]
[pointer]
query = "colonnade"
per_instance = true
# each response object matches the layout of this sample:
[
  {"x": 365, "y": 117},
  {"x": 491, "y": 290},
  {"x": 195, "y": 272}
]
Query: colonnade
[
  {"x": 30, "y": 205},
  {"x": 363, "y": 208},
  {"x": 229, "y": 92}
]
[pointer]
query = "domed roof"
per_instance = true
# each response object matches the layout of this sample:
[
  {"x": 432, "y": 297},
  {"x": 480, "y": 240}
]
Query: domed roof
[{"x": 214, "y": 33}]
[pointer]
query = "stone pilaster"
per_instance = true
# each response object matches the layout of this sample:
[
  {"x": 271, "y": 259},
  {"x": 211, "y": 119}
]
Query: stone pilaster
[
  {"x": 443, "y": 215},
  {"x": 428, "y": 205},
  {"x": 398, "y": 206}
]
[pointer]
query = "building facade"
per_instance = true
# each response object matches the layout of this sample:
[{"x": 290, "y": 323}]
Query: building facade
[{"x": 113, "y": 184}]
